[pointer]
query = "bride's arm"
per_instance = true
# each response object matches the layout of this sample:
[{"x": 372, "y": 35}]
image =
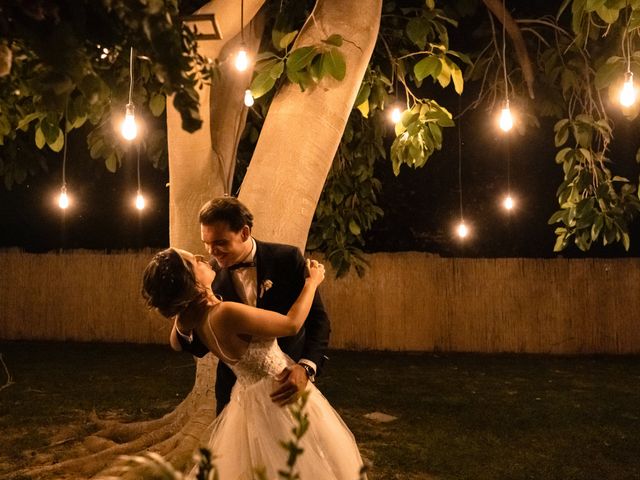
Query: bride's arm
[
  {"x": 184, "y": 326},
  {"x": 173, "y": 338},
  {"x": 243, "y": 319}
]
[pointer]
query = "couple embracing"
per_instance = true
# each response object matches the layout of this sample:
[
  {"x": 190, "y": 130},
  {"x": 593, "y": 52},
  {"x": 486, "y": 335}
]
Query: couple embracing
[{"x": 261, "y": 315}]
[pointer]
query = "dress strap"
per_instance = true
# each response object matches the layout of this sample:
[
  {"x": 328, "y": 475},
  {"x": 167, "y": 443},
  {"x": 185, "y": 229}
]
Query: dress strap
[{"x": 222, "y": 354}]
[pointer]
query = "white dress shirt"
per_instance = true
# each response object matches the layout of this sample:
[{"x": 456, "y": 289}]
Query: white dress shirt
[{"x": 245, "y": 280}]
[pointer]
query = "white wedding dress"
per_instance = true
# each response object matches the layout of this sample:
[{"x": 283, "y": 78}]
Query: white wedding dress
[{"x": 248, "y": 432}]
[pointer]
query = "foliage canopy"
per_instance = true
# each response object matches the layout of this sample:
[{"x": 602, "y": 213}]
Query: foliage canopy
[{"x": 65, "y": 67}]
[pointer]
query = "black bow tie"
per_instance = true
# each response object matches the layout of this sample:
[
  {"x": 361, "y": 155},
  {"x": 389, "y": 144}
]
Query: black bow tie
[{"x": 242, "y": 265}]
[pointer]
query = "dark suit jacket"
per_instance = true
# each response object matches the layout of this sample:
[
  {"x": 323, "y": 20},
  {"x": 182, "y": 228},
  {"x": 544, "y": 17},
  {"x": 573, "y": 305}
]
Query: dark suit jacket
[{"x": 285, "y": 267}]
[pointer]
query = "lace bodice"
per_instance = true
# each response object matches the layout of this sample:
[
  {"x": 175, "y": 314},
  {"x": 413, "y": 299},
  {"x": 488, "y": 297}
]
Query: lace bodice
[{"x": 263, "y": 358}]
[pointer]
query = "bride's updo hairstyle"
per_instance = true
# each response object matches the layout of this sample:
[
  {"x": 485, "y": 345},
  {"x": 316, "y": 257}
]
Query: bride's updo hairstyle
[{"x": 169, "y": 283}]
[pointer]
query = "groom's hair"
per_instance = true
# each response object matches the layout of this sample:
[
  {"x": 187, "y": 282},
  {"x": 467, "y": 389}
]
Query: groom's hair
[{"x": 229, "y": 210}]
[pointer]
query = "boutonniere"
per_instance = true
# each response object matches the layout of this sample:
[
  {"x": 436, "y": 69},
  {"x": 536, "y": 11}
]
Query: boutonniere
[{"x": 265, "y": 286}]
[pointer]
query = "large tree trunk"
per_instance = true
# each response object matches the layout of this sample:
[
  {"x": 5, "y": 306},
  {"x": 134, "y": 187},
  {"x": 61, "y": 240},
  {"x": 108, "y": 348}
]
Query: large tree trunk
[{"x": 302, "y": 130}]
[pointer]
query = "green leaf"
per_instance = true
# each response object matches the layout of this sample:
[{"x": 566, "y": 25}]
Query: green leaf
[
  {"x": 91, "y": 86},
  {"x": 5, "y": 126},
  {"x": 335, "y": 40},
  {"x": 445, "y": 74},
  {"x": 634, "y": 21},
  {"x": 596, "y": 228},
  {"x": 561, "y": 156},
  {"x": 585, "y": 153},
  {"x": 456, "y": 75},
  {"x": 261, "y": 84},
  {"x": 27, "y": 119},
  {"x": 593, "y": 5},
  {"x": 363, "y": 94},
  {"x": 609, "y": 72},
  {"x": 300, "y": 58},
  {"x": 58, "y": 143},
  {"x": 50, "y": 129},
  {"x": 276, "y": 35},
  {"x": 427, "y": 66},
  {"x": 79, "y": 121},
  {"x": 333, "y": 64},
  {"x": 626, "y": 241},
  {"x": 560, "y": 243},
  {"x": 302, "y": 78},
  {"x": 267, "y": 55},
  {"x": 561, "y": 137},
  {"x": 111, "y": 162},
  {"x": 417, "y": 29},
  {"x": 364, "y": 108},
  {"x": 436, "y": 133},
  {"x": 157, "y": 104},
  {"x": 556, "y": 217},
  {"x": 286, "y": 39},
  {"x": 277, "y": 70},
  {"x": 96, "y": 145},
  {"x": 583, "y": 136},
  {"x": 354, "y": 228},
  {"x": 609, "y": 15},
  {"x": 315, "y": 70},
  {"x": 408, "y": 117},
  {"x": 40, "y": 140}
]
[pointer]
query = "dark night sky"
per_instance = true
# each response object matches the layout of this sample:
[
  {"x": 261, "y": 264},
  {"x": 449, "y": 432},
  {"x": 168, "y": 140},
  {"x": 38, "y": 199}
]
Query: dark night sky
[
  {"x": 422, "y": 206},
  {"x": 102, "y": 215}
]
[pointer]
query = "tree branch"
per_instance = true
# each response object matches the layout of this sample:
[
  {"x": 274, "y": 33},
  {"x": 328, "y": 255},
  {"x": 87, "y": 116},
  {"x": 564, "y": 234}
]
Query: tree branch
[{"x": 502, "y": 14}]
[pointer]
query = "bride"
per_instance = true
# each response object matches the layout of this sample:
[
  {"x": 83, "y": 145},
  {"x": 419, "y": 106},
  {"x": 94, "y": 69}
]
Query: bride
[{"x": 249, "y": 431}]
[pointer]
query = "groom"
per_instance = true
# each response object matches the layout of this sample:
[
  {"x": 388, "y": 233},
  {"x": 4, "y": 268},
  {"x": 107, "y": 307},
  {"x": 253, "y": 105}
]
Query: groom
[{"x": 265, "y": 275}]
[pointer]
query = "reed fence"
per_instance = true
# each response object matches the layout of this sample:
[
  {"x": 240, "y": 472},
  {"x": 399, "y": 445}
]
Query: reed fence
[{"x": 406, "y": 301}]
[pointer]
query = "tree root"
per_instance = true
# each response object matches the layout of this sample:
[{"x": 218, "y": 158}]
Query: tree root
[
  {"x": 9, "y": 381},
  {"x": 176, "y": 436},
  {"x": 171, "y": 436}
]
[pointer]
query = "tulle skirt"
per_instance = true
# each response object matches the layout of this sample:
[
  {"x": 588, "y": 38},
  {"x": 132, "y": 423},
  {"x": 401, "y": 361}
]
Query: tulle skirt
[{"x": 248, "y": 434}]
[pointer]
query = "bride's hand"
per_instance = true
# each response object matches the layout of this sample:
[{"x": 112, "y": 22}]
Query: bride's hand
[{"x": 316, "y": 271}]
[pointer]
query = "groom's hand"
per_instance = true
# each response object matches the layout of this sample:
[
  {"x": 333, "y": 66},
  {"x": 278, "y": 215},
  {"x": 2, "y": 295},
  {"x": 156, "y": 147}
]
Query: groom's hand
[{"x": 291, "y": 381}]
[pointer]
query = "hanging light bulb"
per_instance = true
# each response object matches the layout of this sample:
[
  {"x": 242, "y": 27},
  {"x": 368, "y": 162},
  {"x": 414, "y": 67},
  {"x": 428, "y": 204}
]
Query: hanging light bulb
[
  {"x": 129, "y": 126},
  {"x": 462, "y": 230},
  {"x": 63, "y": 199},
  {"x": 140, "y": 203},
  {"x": 242, "y": 59},
  {"x": 628, "y": 92},
  {"x": 508, "y": 203},
  {"x": 395, "y": 115},
  {"x": 248, "y": 98},
  {"x": 506, "y": 119}
]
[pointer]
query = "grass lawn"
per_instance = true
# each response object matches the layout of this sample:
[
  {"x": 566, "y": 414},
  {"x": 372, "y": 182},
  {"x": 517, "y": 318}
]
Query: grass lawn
[{"x": 459, "y": 416}]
